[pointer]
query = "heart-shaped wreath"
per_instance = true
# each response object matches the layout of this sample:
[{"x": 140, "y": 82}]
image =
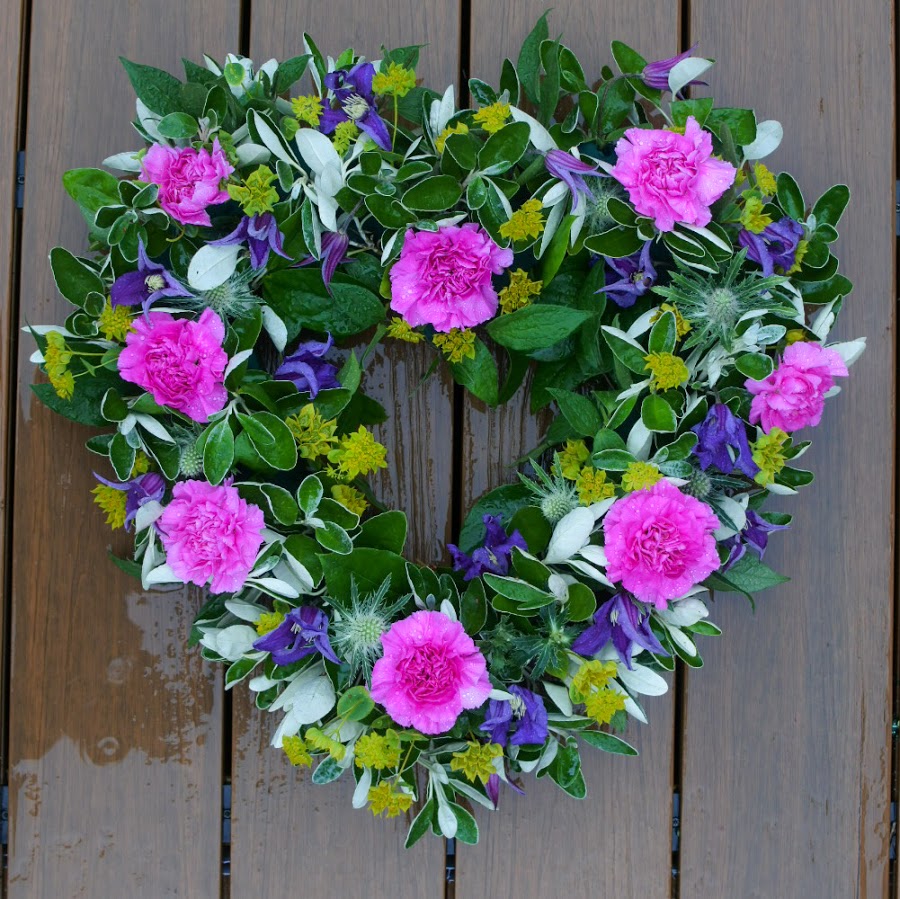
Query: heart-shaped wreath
[{"x": 671, "y": 294}]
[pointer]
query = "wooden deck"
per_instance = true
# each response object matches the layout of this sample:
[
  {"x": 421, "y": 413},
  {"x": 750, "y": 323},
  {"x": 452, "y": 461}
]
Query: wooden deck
[{"x": 118, "y": 744}]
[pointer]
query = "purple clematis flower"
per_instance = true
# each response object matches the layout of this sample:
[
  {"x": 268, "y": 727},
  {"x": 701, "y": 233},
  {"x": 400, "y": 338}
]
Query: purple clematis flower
[
  {"x": 776, "y": 245},
  {"x": 656, "y": 74},
  {"x": 262, "y": 236},
  {"x": 755, "y": 535},
  {"x": 334, "y": 252},
  {"x": 718, "y": 433},
  {"x": 353, "y": 91},
  {"x": 303, "y": 632},
  {"x": 620, "y": 620},
  {"x": 148, "y": 284},
  {"x": 145, "y": 488},
  {"x": 636, "y": 276},
  {"x": 493, "y": 556},
  {"x": 307, "y": 370},
  {"x": 524, "y": 714},
  {"x": 492, "y": 788},
  {"x": 572, "y": 172}
]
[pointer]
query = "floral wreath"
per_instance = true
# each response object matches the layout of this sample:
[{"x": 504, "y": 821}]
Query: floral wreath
[{"x": 671, "y": 295}]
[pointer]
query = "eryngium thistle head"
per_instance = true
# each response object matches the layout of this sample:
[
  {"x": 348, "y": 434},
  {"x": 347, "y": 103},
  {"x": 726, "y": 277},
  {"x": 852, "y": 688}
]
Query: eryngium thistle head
[{"x": 556, "y": 496}]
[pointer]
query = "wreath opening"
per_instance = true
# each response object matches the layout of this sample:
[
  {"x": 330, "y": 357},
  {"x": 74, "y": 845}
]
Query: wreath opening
[{"x": 671, "y": 296}]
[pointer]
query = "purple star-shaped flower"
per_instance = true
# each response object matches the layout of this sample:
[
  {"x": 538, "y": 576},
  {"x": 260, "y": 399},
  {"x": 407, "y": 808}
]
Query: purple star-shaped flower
[
  {"x": 656, "y": 74},
  {"x": 622, "y": 621},
  {"x": 303, "y": 632},
  {"x": 145, "y": 488},
  {"x": 755, "y": 535},
  {"x": 334, "y": 252},
  {"x": 718, "y": 433},
  {"x": 149, "y": 283},
  {"x": 353, "y": 91},
  {"x": 493, "y": 556},
  {"x": 775, "y": 245},
  {"x": 306, "y": 368},
  {"x": 636, "y": 276},
  {"x": 572, "y": 172},
  {"x": 524, "y": 714},
  {"x": 261, "y": 234}
]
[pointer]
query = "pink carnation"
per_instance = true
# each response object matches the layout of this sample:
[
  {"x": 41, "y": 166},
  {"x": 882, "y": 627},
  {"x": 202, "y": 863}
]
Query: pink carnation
[
  {"x": 443, "y": 278},
  {"x": 189, "y": 180},
  {"x": 430, "y": 671},
  {"x": 793, "y": 396},
  {"x": 210, "y": 534},
  {"x": 670, "y": 177},
  {"x": 659, "y": 543},
  {"x": 180, "y": 361}
]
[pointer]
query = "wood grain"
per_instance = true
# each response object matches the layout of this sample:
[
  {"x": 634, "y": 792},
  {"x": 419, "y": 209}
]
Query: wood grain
[
  {"x": 273, "y": 803},
  {"x": 787, "y": 731},
  {"x": 621, "y": 834},
  {"x": 115, "y": 725},
  {"x": 10, "y": 91}
]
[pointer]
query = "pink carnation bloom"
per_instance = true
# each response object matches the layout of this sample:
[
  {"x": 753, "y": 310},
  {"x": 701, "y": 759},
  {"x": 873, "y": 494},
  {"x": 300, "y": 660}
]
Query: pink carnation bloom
[
  {"x": 430, "y": 671},
  {"x": 659, "y": 543},
  {"x": 793, "y": 396},
  {"x": 210, "y": 534},
  {"x": 670, "y": 177},
  {"x": 443, "y": 278},
  {"x": 180, "y": 361},
  {"x": 189, "y": 180}
]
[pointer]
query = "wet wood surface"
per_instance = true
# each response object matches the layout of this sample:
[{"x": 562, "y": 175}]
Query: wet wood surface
[
  {"x": 787, "y": 754},
  {"x": 118, "y": 747},
  {"x": 115, "y": 725}
]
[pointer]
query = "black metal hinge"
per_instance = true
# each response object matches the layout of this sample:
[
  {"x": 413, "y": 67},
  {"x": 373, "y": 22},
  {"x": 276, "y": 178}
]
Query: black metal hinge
[
  {"x": 892, "y": 852},
  {"x": 4, "y": 825},
  {"x": 226, "y": 830},
  {"x": 450, "y": 862},
  {"x": 20, "y": 179},
  {"x": 676, "y": 831}
]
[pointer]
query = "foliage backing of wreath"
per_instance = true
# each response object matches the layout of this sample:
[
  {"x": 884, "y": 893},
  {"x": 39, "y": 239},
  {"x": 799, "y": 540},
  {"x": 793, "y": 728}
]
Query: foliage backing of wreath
[{"x": 671, "y": 295}]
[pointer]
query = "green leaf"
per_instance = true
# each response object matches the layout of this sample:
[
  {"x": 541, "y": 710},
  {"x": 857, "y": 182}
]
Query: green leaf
[
  {"x": 473, "y": 607},
  {"x": 629, "y": 61},
  {"x": 612, "y": 459},
  {"x": 748, "y": 576},
  {"x": 754, "y": 365},
  {"x": 626, "y": 350},
  {"x": 607, "y": 742},
  {"x": 529, "y": 62},
  {"x": 328, "y": 771},
  {"x": 334, "y": 538},
  {"x": 479, "y": 375},
  {"x": 157, "y": 90},
  {"x": 534, "y": 528},
  {"x": 306, "y": 551},
  {"x": 617, "y": 242},
  {"x": 121, "y": 455},
  {"x": 384, "y": 531},
  {"x": 740, "y": 122},
  {"x": 84, "y": 406},
  {"x": 790, "y": 198},
  {"x": 831, "y": 205},
  {"x": 270, "y": 497},
  {"x": 368, "y": 568},
  {"x": 388, "y": 212},
  {"x": 466, "y": 825},
  {"x": 421, "y": 823},
  {"x": 519, "y": 591},
  {"x": 535, "y": 326},
  {"x": 178, "y": 125},
  {"x": 239, "y": 670},
  {"x": 463, "y": 149},
  {"x": 355, "y": 704},
  {"x": 218, "y": 451},
  {"x": 581, "y": 414},
  {"x": 549, "y": 87},
  {"x": 663, "y": 334},
  {"x": 434, "y": 194},
  {"x": 530, "y": 569},
  {"x": 565, "y": 771},
  {"x": 290, "y": 71},
  {"x": 271, "y": 438},
  {"x": 309, "y": 494},
  {"x": 504, "y": 149},
  {"x": 658, "y": 415},
  {"x": 301, "y": 300},
  {"x": 91, "y": 189},
  {"x": 699, "y": 109},
  {"x": 582, "y": 603},
  {"x": 73, "y": 278}
]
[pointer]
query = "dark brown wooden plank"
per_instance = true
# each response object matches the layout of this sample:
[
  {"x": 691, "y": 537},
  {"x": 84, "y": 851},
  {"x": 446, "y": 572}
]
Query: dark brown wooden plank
[
  {"x": 787, "y": 733},
  {"x": 621, "y": 833},
  {"x": 115, "y": 724},
  {"x": 273, "y": 804},
  {"x": 10, "y": 91}
]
